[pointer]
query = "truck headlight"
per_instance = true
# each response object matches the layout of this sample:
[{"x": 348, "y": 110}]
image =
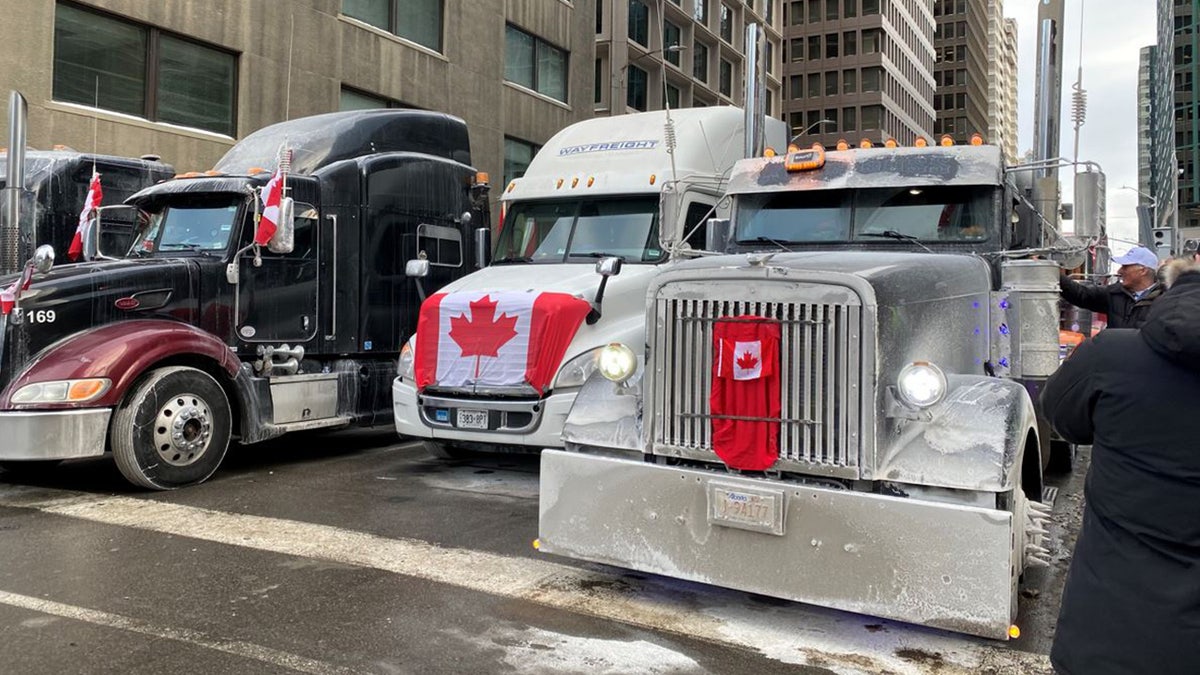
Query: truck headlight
[
  {"x": 405, "y": 368},
  {"x": 62, "y": 391},
  {"x": 921, "y": 384},
  {"x": 577, "y": 370},
  {"x": 617, "y": 362}
]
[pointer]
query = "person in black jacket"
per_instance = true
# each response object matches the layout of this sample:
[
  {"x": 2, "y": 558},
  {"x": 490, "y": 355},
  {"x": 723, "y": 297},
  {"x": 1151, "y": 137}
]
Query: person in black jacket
[
  {"x": 1132, "y": 597},
  {"x": 1127, "y": 301}
]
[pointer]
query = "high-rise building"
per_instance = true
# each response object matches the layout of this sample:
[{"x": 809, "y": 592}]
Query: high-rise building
[
  {"x": 1002, "y": 84},
  {"x": 1177, "y": 30},
  {"x": 859, "y": 69},
  {"x": 186, "y": 79},
  {"x": 684, "y": 52},
  {"x": 962, "y": 47},
  {"x": 1145, "y": 104}
]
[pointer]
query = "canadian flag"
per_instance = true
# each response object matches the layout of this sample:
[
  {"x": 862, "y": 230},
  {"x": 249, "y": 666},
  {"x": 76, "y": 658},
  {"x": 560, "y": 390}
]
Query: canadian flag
[
  {"x": 503, "y": 338},
  {"x": 744, "y": 400},
  {"x": 90, "y": 204},
  {"x": 272, "y": 195}
]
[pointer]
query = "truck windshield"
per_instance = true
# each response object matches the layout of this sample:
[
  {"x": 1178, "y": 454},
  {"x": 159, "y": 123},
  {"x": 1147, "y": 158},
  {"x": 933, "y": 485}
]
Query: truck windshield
[
  {"x": 193, "y": 225},
  {"x": 930, "y": 214},
  {"x": 557, "y": 231}
]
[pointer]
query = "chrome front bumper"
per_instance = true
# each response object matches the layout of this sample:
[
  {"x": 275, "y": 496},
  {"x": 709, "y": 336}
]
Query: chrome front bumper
[
  {"x": 34, "y": 435},
  {"x": 541, "y": 422},
  {"x": 937, "y": 564}
]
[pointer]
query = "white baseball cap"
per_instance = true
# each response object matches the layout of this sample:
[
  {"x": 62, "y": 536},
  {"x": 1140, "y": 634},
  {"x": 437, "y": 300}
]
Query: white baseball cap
[{"x": 1138, "y": 255}]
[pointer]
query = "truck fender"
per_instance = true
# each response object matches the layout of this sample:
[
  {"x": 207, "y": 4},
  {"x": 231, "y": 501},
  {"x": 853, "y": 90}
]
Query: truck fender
[
  {"x": 121, "y": 352},
  {"x": 973, "y": 439},
  {"x": 607, "y": 415}
]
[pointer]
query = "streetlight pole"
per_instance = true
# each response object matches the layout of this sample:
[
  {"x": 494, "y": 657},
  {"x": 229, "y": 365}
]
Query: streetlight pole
[{"x": 810, "y": 128}]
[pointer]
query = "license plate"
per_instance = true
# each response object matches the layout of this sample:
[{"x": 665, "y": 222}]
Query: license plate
[
  {"x": 754, "y": 509},
  {"x": 472, "y": 419}
]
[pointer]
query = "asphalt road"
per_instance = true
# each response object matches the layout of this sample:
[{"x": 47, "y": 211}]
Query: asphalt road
[{"x": 353, "y": 552}]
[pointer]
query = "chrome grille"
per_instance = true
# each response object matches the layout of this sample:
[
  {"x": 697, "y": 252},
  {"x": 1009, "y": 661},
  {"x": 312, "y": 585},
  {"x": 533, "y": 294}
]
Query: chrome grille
[{"x": 820, "y": 369}]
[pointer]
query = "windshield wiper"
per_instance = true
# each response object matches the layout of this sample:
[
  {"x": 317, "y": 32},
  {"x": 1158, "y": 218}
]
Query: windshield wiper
[
  {"x": 899, "y": 236},
  {"x": 596, "y": 254},
  {"x": 513, "y": 259},
  {"x": 766, "y": 240},
  {"x": 175, "y": 245}
]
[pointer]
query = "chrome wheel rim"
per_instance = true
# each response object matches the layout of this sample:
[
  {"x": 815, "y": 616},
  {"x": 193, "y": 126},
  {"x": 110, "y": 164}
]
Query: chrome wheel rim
[{"x": 183, "y": 429}]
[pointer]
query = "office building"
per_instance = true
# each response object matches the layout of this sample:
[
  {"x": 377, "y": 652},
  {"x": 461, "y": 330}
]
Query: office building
[
  {"x": 184, "y": 79},
  {"x": 859, "y": 69},
  {"x": 684, "y": 52},
  {"x": 1179, "y": 42}
]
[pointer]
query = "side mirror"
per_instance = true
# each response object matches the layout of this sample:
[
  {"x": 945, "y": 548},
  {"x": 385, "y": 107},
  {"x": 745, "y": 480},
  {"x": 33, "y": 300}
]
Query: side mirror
[
  {"x": 43, "y": 258},
  {"x": 483, "y": 247},
  {"x": 111, "y": 231},
  {"x": 716, "y": 234},
  {"x": 284, "y": 239},
  {"x": 608, "y": 267},
  {"x": 417, "y": 269}
]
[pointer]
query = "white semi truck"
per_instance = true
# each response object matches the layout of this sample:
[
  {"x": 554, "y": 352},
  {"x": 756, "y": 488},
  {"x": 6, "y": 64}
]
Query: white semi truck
[
  {"x": 604, "y": 204},
  {"x": 847, "y": 420}
]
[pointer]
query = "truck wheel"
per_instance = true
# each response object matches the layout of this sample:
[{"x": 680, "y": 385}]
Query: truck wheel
[
  {"x": 444, "y": 451},
  {"x": 172, "y": 429}
]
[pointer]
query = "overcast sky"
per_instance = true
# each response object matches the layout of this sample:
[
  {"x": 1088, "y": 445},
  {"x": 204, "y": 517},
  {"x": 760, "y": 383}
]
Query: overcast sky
[{"x": 1113, "y": 33}]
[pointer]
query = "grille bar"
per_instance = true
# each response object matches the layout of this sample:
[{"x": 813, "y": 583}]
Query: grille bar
[{"x": 820, "y": 367}]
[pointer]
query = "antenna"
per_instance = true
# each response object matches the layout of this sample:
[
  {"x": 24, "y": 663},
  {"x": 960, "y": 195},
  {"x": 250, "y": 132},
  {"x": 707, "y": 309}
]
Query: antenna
[
  {"x": 287, "y": 99},
  {"x": 1079, "y": 94},
  {"x": 95, "y": 123}
]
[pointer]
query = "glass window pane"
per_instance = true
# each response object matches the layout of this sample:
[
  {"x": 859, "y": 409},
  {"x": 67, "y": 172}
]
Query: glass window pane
[
  {"x": 849, "y": 81},
  {"x": 814, "y": 85},
  {"x": 672, "y": 96},
  {"x": 871, "y": 78},
  {"x": 88, "y": 47},
  {"x": 374, "y": 12},
  {"x": 849, "y": 43},
  {"x": 635, "y": 94},
  {"x": 421, "y": 22},
  {"x": 671, "y": 38},
  {"x": 849, "y": 121},
  {"x": 353, "y": 100},
  {"x": 551, "y": 71},
  {"x": 517, "y": 156},
  {"x": 726, "y": 24},
  {"x": 796, "y": 86},
  {"x": 831, "y": 84},
  {"x": 850, "y": 9},
  {"x": 195, "y": 85},
  {"x": 639, "y": 22},
  {"x": 872, "y": 116},
  {"x": 700, "y": 62},
  {"x": 726, "y": 84},
  {"x": 518, "y": 57}
]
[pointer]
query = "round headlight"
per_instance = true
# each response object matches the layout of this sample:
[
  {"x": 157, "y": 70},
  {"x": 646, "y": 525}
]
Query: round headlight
[
  {"x": 617, "y": 362},
  {"x": 405, "y": 367},
  {"x": 921, "y": 384}
]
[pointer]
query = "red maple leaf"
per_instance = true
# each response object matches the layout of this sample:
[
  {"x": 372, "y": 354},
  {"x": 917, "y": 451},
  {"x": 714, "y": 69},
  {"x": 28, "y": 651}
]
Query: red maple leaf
[
  {"x": 483, "y": 334},
  {"x": 747, "y": 361}
]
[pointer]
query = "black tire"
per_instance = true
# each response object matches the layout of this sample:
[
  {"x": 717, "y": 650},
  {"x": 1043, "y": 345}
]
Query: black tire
[
  {"x": 172, "y": 430},
  {"x": 30, "y": 469},
  {"x": 1062, "y": 457},
  {"x": 444, "y": 451}
]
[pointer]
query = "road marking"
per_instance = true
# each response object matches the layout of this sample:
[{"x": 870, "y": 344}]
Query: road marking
[
  {"x": 794, "y": 633},
  {"x": 240, "y": 648}
]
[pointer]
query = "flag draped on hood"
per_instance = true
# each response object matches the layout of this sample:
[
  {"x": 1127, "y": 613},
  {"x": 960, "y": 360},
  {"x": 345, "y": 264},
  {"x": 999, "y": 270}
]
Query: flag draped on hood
[
  {"x": 744, "y": 400},
  {"x": 90, "y": 204},
  {"x": 505, "y": 338}
]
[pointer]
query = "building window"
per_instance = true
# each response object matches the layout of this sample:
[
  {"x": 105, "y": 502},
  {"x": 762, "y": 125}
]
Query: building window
[
  {"x": 597, "y": 79},
  {"x": 850, "y": 9},
  {"x": 814, "y": 47},
  {"x": 872, "y": 117},
  {"x": 796, "y": 87},
  {"x": 700, "y": 62},
  {"x": 700, "y": 12},
  {"x": 869, "y": 7},
  {"x": 831, "y": 83},
  {"x": 797, "y": 49},
  {"x": 872, "y": 39},
  {"x": 871, "y": 79},
  {"x": 849, "y": 121},
  {"x": 726, "y": 78},
  {"x": 831, "y": 10},
  {"x": 416, "y": 20},
  {"x": 814, "y": 85},
  {"x": 726, "y": 23},
  {"x": 517, "y": 156},
  {"x": 671, "y": 38},
  {"x": 535, "y": 64},
  {"x": 814, "y": 11},
  {"x": 849, "y": 81},
  {"x": 831, "y": 46},
  {"x": 639, "y": 22},
  {"x": 114, "y": 64},
  {"x": 635, "y": 89},
  {"x": 353, "y": 99},
  {"x": 672, "y": 96},
  {"x": 849, "y": 43},
  {"x": 770, "y": 53},
  {"x": 796, "y": 13}
]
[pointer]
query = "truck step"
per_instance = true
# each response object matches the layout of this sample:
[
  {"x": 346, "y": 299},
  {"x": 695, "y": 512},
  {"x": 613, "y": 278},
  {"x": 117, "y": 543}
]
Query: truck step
[{"x": 314, "y": 424}]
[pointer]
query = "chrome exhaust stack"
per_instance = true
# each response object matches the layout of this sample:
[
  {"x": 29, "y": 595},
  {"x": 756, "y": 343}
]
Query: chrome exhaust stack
[{"x": 12, "y": 253}]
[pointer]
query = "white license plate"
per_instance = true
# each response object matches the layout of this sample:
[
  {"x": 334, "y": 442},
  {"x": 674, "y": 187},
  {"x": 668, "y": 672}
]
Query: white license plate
[
  {"x": 758, "y": 510},
  {"x": 472, "y": 419}
]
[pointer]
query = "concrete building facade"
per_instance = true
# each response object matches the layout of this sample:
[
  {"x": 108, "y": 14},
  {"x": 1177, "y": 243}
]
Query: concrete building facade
[
  {"x": 184, "y": 79},
  {"x": 1178, "y": 38},
  {"x": 684, "y": 52},
  {"x": 962, "y": 47},
  {"x": 859, "y": 69},
  {"x": 1002, "y": 85}
]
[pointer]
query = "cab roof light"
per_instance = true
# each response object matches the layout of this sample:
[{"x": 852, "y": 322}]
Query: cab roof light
[
  {"x": 921, "y": 142},
  {"x": 511, "y": 186},
  {"x": 768, "y": 152},
  {"x": 976, "y": 139},
  {"x": 805, "y": 160},
  {"x": 558, "y": 184},
  {"x": 865, "y": 143},
  {"x": 947, "y": 141},
  {"x": 890, "y": 143},
  {"x": 482, "y": 178},
  {"x": 792, "y": 147},
  {"x": 591, "y": 180},
  {"x": 575, "y": 181},
  {"x": 842, "y": 144},
  {"x": 653, "y": 178}
]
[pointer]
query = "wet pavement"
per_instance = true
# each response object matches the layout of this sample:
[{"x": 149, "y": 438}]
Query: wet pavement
[{"x": 353, "y": 552}]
